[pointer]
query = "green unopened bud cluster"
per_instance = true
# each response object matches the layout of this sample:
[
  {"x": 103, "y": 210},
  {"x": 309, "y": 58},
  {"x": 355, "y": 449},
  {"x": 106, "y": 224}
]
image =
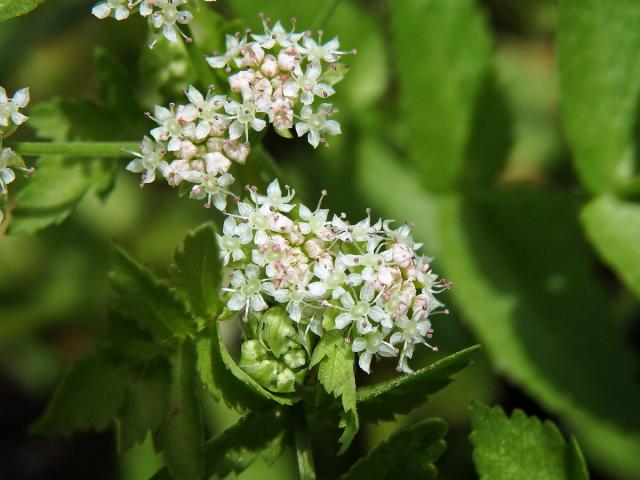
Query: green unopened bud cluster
[{"x": 272, "y": 352}]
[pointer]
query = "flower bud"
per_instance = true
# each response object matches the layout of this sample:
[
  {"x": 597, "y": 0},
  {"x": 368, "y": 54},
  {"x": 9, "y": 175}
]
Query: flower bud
[
  {"x": 314, "y": 247},
  {"x": 401, "y": 255},
  {"x": 251, "y": 351},
  {"x": 287, "y": 60},
  {"x": 264, "y": 372},
  {"x": 241, "y": 80},
  {"x": 285, "y": 381},
  {"x": 295, "y": 358},
  {"x": 269, "y": 67},
  {"x": 236, "y": 150},
  {"x": 252, "y": 55},
  {"x": 277, "y": 330}
]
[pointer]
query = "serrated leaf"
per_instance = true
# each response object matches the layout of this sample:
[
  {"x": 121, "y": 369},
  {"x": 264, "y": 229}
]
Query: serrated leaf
[
  {"x": 181, "y": 436},
  {"x": 126, "y": 341},
  {"x": 335, "y": 362},
  {"x": 402, "y": 394},
  {"x": 613, "y": 226},
  {"x": 539, "y": 310},
  {"x": 442, "y": 58},
  {"x": 139, "y": 295},
  {"x": 522, "y": 447},
  {"x": 599, "y": 58},
  {"x": 14, "y": 8},
  {"x": 197, "y": 271},
  {"x": 145, "y": 406},
  {"x": 89, "y": 396},
  {"x": 233, "y": 385},
  {"x": 408, "y": 453},
  {"x": 258, "y": 434}
]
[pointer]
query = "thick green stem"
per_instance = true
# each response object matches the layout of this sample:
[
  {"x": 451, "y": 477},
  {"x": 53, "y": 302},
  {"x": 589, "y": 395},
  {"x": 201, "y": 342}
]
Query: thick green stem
[
  {"x": 304, "y": 454},
  {"x": 74, "y": 149}
]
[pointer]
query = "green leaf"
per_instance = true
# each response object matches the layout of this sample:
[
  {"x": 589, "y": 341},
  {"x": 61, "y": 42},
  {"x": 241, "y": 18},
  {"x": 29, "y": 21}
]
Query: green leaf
[
  {"x": 139, "y": 295},
  {"x": 233, "y": 385},
  {"x": 14, "y": 8},
  {"x": 522, "y": 447},
  {"x": 402, "y": 394},
  {"x": 197, "y": 271},
  {"x": 51, "y": 195},
  {"x": 599, "y": 58},
  {"x": 145, "y": 406},
  {"x": 335, "y": 362},
  {"x": 408, "y": 453},
  {"x": 539, "y": 310},
  {"x": 90, "y": 395},
  {"x": 613, "y": 226},
  {"x": 258, "y": 434},
  {"x": 181, "y": 436},
  {"x": 443, "y": 57}
]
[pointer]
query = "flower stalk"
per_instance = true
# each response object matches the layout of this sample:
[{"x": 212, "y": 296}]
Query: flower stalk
[{"x": 74, "y": 149}]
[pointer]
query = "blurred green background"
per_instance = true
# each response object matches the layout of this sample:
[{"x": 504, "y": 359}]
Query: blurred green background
[{"x": 559, "y": 328}]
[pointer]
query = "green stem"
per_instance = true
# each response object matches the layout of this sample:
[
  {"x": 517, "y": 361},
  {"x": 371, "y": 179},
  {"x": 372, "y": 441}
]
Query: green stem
[
  {"x": 75, "y": 149},
  {"x": 303, "y": 445}
]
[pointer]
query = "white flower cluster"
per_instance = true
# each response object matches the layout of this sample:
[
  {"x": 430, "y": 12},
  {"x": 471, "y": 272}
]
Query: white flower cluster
[
  {"x": 189, "y": 145},
  {"x": 277, "y": 76},
  {"x": 364, "y": 279},
  {"x": 166, "y": 16},
  {"x": 10, "y": 119}
]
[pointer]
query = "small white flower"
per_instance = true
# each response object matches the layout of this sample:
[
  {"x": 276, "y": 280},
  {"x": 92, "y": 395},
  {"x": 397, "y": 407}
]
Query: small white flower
[
  {"x": 246, "y": 291},
  {"x": 299, "y": 294},
  {"x": 174, "y": 124},
  {"x": 274, "y": 199},
  {"x": 316, "y": 51},
  {"x": 104, "y": 9},
  {"x": 315, "y": 222},
  {"x": 9, "y": 107},
  {"x": 210, "y": 118},
  {"x": 213, "y": 188},
  {"x": 168, "y": 17},
  {"x": 244, "y": 115},
  {"x": 316, "y": 124},
  {"x": 277, "y": 36},
  {"x": 234, "y": 45},
  {"x": 357, "y": 311},
  {"x": 306, "y": 84},
  {"x": 7, "y": 159},
  {"x": 372, "y": 344},
  {"x": 231, "y": 243},
  {"x": 148, "y": 160}
]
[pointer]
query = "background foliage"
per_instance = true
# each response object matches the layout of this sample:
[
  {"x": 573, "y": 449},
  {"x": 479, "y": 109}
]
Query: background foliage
[{"x": 506, "y": 132}]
